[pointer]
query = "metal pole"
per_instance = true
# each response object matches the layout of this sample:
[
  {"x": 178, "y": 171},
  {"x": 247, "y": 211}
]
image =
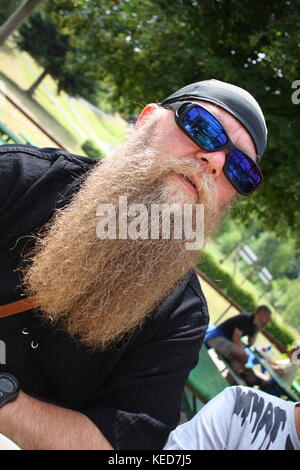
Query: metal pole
[
  {"x": 236, "y": 246},
  {"x": 249, "y": 274},
  {"x": 264, "y": 292}
]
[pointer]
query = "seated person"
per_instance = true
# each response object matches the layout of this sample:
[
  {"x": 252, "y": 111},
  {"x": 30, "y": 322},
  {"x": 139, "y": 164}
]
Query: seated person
[
  {"x": 286, "y": 368},
  {"x": 240, "y": 418},
  {"x": 226, "y": 339}
]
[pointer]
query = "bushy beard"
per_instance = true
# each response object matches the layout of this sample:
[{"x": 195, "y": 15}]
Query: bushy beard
[{"x": 101, "y": 290}]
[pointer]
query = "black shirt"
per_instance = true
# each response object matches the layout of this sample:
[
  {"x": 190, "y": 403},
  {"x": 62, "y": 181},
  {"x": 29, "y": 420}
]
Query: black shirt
[
  {"x": 131, "y": 392},
  {"x": 243, "y": 321}
]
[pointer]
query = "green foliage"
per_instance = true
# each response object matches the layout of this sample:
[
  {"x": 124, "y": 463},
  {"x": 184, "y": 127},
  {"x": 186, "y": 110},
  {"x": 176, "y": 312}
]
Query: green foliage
[
  {"x": 298, "y": 379},
  {"x": 277, "y": 255},
  {"x": 7, "y": 8},
  {"x": 91, "y": 149},
  {"x": 229, "y": 235},
  {"x": 55, "y": 55},
  {"x": 291, "y": 312},
  {"x": 243, "y": 298},
  {"x": 226, "y": 283},
  {"x": 280, "y": 332},
  {"x": 145, "y": 50},
  {"x": 50, "y": 53},
  {"x": 287, "y": 301},
  {"x": 280, "y": 257}
]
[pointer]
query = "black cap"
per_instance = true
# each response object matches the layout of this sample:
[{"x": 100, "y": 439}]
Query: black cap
[{"x": 234, "y": 100}]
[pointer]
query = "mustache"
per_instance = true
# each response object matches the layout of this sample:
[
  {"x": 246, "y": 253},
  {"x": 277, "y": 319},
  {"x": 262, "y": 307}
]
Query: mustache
[
  {"x": 147, "y": 172},
  {"x": 101, "y": 290}
]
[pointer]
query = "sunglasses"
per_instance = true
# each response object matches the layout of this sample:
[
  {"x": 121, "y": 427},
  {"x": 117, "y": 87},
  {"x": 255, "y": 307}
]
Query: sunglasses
[{"x": 209, "y": 134}]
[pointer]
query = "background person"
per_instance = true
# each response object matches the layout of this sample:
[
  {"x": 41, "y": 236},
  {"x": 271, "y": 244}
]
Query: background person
[
  {"x": 286, "y": 368},
  {"x": 226, "y": 339}
]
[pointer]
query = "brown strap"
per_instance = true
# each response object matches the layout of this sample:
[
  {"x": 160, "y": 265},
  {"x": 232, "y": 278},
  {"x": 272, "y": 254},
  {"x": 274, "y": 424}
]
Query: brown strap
[{"x": 18, "y": 306}]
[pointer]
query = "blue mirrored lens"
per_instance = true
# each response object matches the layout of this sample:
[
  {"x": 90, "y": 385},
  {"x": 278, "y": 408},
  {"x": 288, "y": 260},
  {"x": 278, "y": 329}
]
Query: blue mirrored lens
[
  {"x": 204, "y": 128},
  {"x": 242, "y": 171}
]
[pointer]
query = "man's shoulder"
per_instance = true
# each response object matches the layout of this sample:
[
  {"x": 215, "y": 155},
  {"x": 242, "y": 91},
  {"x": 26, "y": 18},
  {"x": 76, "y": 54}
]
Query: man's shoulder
[
  {"x": 32, "y": 172},
  {"x": 37, "y": 179},
  {"x": 33, "y": 155},
  {"x": 247, "y": 316},
  {"x": 190, "y": 287}
]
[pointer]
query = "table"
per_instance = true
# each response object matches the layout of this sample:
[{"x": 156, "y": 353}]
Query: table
[{"x": 279, "y": 381}]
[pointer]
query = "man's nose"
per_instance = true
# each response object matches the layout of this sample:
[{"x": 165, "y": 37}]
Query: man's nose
[{"x": 214, "y": 161}]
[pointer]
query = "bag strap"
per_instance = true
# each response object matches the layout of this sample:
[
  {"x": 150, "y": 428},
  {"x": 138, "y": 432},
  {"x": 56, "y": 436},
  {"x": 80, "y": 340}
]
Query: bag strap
[{"x": 18, "y": 307}]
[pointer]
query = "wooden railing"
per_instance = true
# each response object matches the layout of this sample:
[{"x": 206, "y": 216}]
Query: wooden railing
[{"x": 31, "y": 118}]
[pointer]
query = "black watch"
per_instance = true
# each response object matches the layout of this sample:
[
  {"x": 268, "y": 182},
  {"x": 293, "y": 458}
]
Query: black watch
[{"x": 9, "y": 388}]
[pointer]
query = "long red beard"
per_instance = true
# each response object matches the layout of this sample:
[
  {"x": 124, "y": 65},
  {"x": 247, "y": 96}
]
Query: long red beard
[{"x": 99, "y": 290}]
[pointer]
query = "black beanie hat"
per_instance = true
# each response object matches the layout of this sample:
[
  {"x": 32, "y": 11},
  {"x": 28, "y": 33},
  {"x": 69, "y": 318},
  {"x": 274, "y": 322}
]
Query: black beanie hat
[{"x": 234, "y": 100}]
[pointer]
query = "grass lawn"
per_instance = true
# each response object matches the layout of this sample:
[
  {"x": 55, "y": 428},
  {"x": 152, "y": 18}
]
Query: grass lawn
[
  {"x": 216, "y": 303},
  {"x": 72, "y": 122}
]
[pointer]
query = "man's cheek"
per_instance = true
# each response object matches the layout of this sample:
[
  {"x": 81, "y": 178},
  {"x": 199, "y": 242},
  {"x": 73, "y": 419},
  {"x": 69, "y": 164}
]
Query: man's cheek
[{"x": 225, "y": 190}]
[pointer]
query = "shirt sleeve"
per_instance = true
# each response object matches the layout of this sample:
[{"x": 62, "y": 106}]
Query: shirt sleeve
[
  {"x": 148, "y": 384},
  {"x": 37, "y": 179},
  {"x": 245, "y": 323},
  {"x": 209, "y": 428}
]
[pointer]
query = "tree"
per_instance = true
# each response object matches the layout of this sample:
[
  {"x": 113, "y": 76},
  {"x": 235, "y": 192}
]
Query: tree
[
  {"x": 144, "y": 51},
  {"x": 7, "y": 8},
  {"x": 147, "y": 51},
  {"x": 287, "y": 300},
  {"x": 55, "y": 56},
  {"x": 50, "y": 54},
  {"x": 15, "y": 20},
  {"x": 276, "y": 255}
]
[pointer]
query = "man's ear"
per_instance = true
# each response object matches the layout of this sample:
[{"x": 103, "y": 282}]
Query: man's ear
[{"x": 146, "y": 112}]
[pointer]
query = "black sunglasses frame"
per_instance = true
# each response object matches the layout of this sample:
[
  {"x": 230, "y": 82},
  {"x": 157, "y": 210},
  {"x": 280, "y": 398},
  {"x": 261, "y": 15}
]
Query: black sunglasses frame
[{"x": 181, "y": 109}]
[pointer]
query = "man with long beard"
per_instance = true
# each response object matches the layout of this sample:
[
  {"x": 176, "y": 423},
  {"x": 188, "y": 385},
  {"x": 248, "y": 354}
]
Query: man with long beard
[{"x": 112, "y": 326}]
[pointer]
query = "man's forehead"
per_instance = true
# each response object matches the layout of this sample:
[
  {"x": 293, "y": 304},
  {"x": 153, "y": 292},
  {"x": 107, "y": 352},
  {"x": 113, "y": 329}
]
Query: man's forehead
[
  {"x": 263, "y": 313},
  {"x": 235, "y": 129}
]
